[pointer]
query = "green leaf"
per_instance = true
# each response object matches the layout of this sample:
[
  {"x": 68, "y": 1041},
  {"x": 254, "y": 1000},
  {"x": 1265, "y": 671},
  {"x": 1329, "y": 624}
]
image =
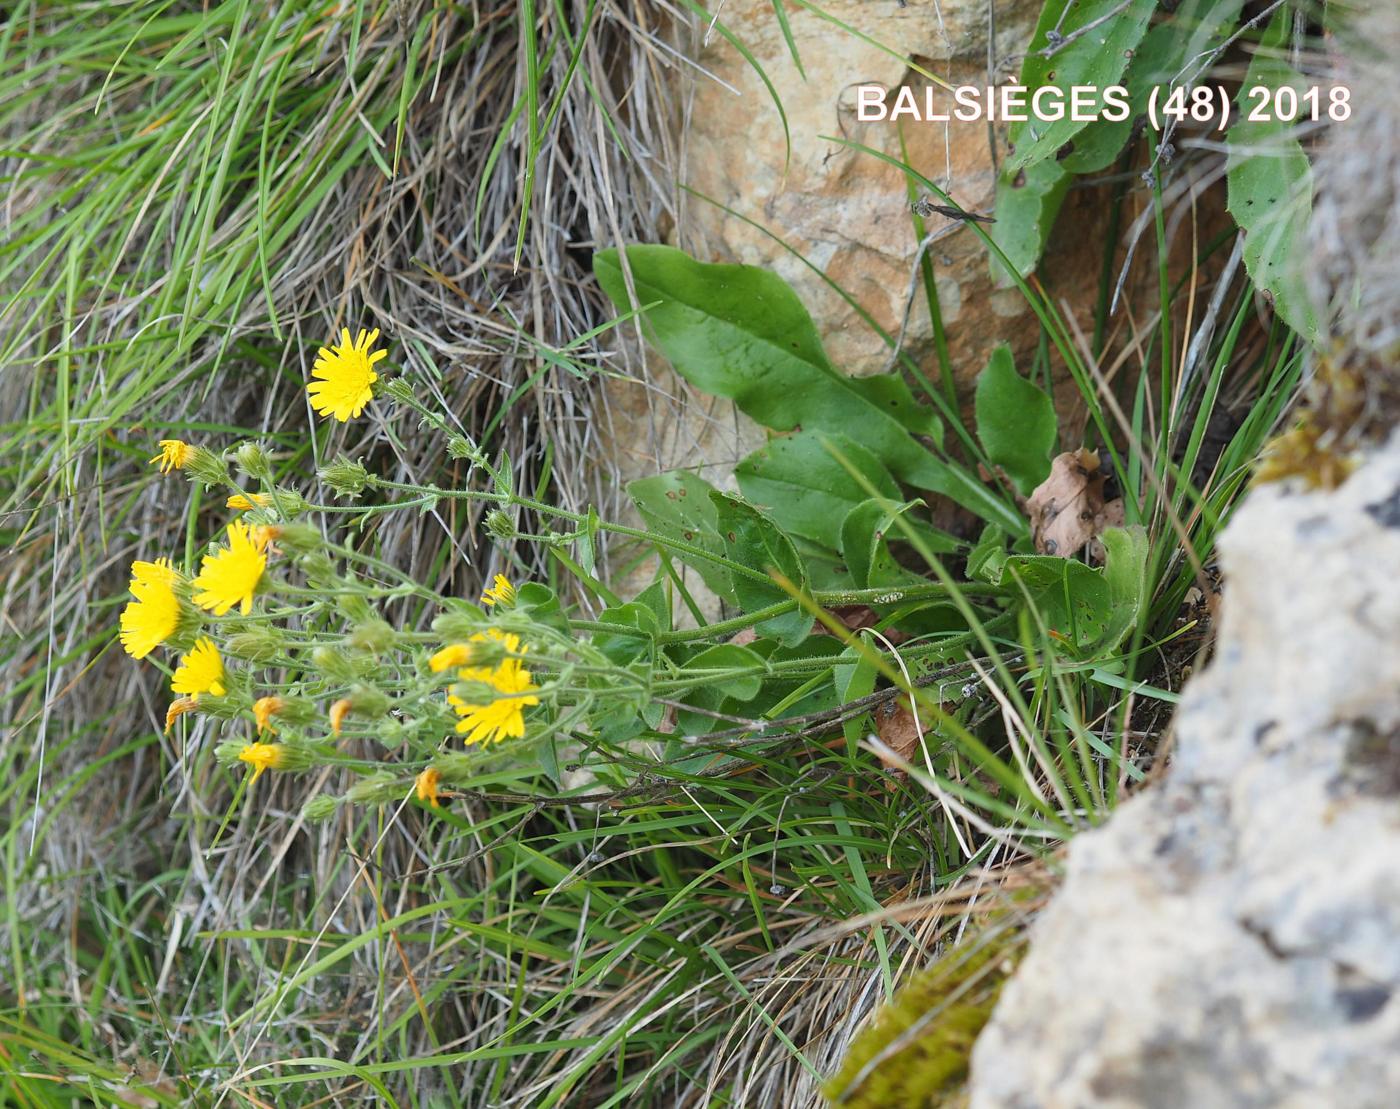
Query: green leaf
[
  {"x": 986, "y": 559},
  {"x": 1091, "y": 609},
  {"x": 1095, "y": 59},
  {"x": 740, "y": 332},
  {"x": 805, "y": 489},
  {"x": 1015, "y": 422},
  {"x": 677, "y": 505},
  {"x": 1125, "y": 575},
  {"x": 753, "y": 540},
  {"x": 1167, "y": 53},
  {"x": 866, "y": 548},
  {"x": 1270, "y": 188},
  {"x": 730, "y": 656},
  {"x": 1027, "y": 203}
]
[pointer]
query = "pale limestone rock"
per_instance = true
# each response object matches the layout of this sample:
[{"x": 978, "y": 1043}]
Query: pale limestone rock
[
  {"x": 1232, "y": 938},
  {"x": 845, "y": 211}
]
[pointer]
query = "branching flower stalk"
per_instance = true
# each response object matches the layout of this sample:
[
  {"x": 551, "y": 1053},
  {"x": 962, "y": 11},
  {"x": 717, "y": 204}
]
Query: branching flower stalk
[{"x": 284, "y": 653}]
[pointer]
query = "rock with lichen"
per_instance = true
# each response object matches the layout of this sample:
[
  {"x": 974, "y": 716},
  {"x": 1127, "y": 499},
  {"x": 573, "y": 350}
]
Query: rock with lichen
[{"x": 1232, "y": 938}]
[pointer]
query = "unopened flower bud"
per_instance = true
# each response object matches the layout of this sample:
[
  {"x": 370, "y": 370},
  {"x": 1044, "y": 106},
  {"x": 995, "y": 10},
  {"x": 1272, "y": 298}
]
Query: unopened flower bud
[
  {"x": 356, "y": 608},
  {"x": 459, "y": 446},
  {"x": 320, "y": 808},
  {"x": 499, "y": 524},
  {"x": 208, "y": 467},
  {"x": 334, "y": 664},
  {"x": 458, "y": 625},
  {"x": 475, "y": 693},
  {"x": 365, "y": 700},
  {"x": 253, "y": 461},
  {"x": 374, "y": 636},
  {"x": 260, "y": 643},
  {"x": 398, "y": 389},
  {"x": 375, "y": 789},
  {"x": 299, "y": 538},
  {"x": 346, "y": 477}
]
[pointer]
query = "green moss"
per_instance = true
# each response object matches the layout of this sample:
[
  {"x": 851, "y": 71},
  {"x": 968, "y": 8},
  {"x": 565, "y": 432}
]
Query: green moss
[{"x": 915, "y": 1053}]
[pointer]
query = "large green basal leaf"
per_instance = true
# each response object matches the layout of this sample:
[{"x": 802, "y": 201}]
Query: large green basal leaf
[
  {"x": 1091, "y": 609},
  {"x": 740, "y": 332}
]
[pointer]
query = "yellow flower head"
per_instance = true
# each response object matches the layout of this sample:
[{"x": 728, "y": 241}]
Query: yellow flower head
[
  {"x": 454, "y": 654},
  {"x": 152, "y": 617},
  {"x": 501, "y": 592},
  {"x": 263, "y": 756},
  {"x": 264, "y": 709},
  {"x": 177, "y": 709},
  {"x": 505, "y": 716},
  {"x": 427, "y": 786},
  {"x": 231, "y": 575},
  {"x": 339, "y": 711},
  {"x": 200, "y": 671},
  {"x": 345, "y": 374},
  {"x": 174, "y": 453},
  {"x": 244, "y": 501}
]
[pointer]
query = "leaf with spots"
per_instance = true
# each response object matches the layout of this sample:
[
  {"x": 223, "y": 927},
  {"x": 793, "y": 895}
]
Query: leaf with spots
[
  {"x": 1090, "y": 611},
  {"x": 1098, "y": 40},
  {"x": 678, "y": 506},
  {"x": 751, "y": 539}
]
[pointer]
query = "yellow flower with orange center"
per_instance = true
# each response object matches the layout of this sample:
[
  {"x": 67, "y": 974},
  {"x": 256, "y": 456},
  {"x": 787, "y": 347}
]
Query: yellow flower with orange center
[
  {"x": 174, "y": 453},
  {"x": 154, "y": 613},
  {"x": 345, "y": 375},
  {"x": 230, "y": 575}
]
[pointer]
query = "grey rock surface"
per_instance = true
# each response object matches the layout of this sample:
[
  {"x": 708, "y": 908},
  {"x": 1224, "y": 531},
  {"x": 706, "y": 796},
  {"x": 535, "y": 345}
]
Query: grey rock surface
[{"x": 1232, "y": 938}]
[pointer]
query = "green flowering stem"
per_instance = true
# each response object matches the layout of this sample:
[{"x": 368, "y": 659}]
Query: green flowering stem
[
  {"x": 514, "y": 500},
  {"x": 778, "y": 608}
]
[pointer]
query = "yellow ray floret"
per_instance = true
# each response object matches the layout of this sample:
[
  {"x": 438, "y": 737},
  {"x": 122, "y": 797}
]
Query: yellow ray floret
[
  {"x": 264, "y": 709},
  {"x": 345, "y": 375},
  {"x": 151, "y": 618},
  {"x": 229, "y": 576},
  {"x": 504, "y": 716},
  {"x": 244, "y": 501},
  {"x": 200, "y": 671},
  {"x": 428, "y": 786},
  {"x": 177, "y": 709},
  {"x": 501, "y": 592},
  {"x": 454, "y": 654},
  {"x": 174, "y": 453},
  {"x": 263, "y": 756}
]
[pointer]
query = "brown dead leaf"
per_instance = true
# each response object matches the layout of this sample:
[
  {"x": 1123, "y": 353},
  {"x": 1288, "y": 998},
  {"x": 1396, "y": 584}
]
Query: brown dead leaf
[
  {"x": 897, "y": 729},
  {"x": 1112, "y": 516},
  {"x": 1067, "y": 509}
]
